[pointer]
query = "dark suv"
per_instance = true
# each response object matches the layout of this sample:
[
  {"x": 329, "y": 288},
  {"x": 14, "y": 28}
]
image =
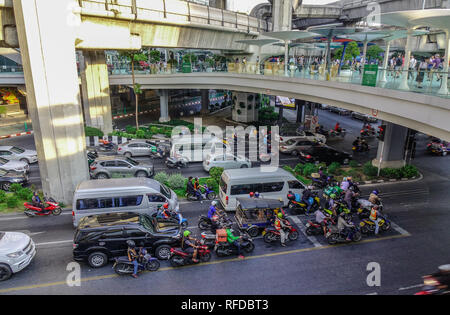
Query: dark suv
[
  {"x": 324, "y": 154},
  {"x": 100, "y": 238}
]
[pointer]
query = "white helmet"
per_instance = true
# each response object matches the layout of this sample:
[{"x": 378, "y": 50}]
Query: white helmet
[{"x": 214, "y": 203}]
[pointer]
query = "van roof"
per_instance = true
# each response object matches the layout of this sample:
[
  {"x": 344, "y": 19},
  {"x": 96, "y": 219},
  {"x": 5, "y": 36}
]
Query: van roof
[
  {"x": 108, "y": 219},
  {"x": 133, "y": 183},
  {"x": 255, "y": 173}
]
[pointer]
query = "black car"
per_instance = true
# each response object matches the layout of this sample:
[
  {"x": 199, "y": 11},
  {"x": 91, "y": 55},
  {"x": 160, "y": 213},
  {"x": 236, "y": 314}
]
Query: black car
[
  {"x": 9, "y": 177},
  {"x": 324, "y": 154},
  {"x": 100, "y": 238},
  {"x": 364, "y": 117}
]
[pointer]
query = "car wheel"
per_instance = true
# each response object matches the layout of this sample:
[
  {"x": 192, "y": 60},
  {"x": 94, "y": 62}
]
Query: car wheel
[
  {"x": 128, "y": 154},
  {"x": 6, "y": 186},
  {"x": 5, "y": 272},
  {"x": 25, "y": 161},
  {"x": 102, "y": 176},
  {"x": 163, "y": 252},
  {"x": 97, "y": 259},
  {"x": 294, "y": 153},
  {"x": 141, "y": 174},
  {"x": 444, "y": 153},
  {"x": 244, "y": 166}
]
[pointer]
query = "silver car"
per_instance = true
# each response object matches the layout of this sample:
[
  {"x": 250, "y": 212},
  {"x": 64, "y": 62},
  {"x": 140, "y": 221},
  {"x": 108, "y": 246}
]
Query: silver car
[
  {"x": 18, "y": 154},
  {"x": 17, "y": 250},
  {"x": 296, "y": 145},
  {"x": 17, "y": 166},
  {"x": 226, "y": 161},
  {"x": 117, "y": 166},
  {"x": 135, "y": 148}
]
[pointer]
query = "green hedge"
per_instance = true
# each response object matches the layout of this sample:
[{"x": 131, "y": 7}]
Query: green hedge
[{"x": 92, "y": 132}]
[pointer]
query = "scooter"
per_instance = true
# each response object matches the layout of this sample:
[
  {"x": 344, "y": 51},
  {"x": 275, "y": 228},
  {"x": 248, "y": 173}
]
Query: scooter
[
  {"x": 180, "y": 258},
  {"x": 223, "y": 222},
  {"x": 223, "y": 249},
  {"x": 177, "y": 216},
  {"x": 208, "y": 194},
  {"x": 105, "y": 145},
  {"x": 300, "y": 206},
  {"x": 270, "y": 234},
  {"x": 368, "y": 226},
  {"x": 122, "y": 266},
  {"x": 172, "y": 162},
  {"x": 334, "y": 236},
  {"x": 51, "y": 207},
  {"x": 314, "y": 228}
]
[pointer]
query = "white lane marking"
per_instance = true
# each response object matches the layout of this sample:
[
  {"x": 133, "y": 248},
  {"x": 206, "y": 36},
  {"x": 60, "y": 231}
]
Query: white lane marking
[
  {"x": 411, "y": 287},
  {"x": 54, "y": 243},
  {"x": 373, "y": 293},
  {"x": 302, "y": 228},
  {"x": 25, "y": 217},
  {"x": 399, "y": 229}
]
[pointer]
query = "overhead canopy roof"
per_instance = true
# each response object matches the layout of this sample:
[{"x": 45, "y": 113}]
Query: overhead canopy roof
[
  {"x": 290, "y": 35},
  {"x": 257, "y": 42}
]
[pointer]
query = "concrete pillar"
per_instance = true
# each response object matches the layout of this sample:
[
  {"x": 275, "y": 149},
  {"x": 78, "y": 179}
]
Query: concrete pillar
[
  {"x": 164, "y": 106},
  {"x": 444, "y": 84},
  {"x": 391, "y": 150},
  {"x": 47, "y": 45},
  {"x": 205, "y": 102},
  {"x": 282, "y": 15},
  {"x": 95, "y": 91},
  {"x": 386, "y": 61},
  {"x": 404, "y": 83}
]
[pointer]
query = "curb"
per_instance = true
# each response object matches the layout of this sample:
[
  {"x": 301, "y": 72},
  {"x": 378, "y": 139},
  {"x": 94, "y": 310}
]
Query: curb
[
  {"x": 17, "y": 135},
  {"x": 385, "y": 181}
]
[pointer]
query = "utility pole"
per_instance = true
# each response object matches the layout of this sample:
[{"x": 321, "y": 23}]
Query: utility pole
[{"x": 424, "y": 2}]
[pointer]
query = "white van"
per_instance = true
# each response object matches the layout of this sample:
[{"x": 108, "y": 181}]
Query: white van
[
  {"x": 140, "y": 195},
  {"x": 196, "y": 149},
  {"x": 236, "y": 183}
]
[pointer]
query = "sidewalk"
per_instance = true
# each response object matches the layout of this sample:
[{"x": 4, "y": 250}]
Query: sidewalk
[{"x": 14, "y": 130}]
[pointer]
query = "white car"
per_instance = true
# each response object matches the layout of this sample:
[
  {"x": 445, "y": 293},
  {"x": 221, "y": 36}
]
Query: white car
[
  {"x": 17, "y": 250},
  {"x": 18, "y": 154},
  {"x": 307, "y": 135},
  {"x": 17, "y": 166},
  {"x": 226, "y": 161}
]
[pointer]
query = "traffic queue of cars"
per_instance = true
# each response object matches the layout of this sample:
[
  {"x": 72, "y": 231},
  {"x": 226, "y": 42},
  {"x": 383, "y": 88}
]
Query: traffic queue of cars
[{"x": 15, "y": 165}]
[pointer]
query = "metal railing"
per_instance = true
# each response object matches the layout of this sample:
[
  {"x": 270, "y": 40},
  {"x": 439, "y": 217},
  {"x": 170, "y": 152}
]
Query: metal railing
[{"x": 174, "y": 11}]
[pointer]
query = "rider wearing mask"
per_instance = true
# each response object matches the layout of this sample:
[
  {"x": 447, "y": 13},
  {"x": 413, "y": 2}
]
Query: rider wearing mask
[
  {"x": 342, "y": 225},
  {"x": 279, "y": 226},
  {"x": 234, "y": 240},
  {"x": 133, "y": 257},
  {"x": 188, "y": 245}
]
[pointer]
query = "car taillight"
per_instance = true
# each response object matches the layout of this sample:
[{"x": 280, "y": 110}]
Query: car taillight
[
  {"x": 93, "y": 168},
  {"x": 308, "y": 156},
  {"x": 73, "y": 213},
  {"x": 226, "y": 199},
  {"x": 119, "y": 149},
  {"x": 281, "y": 138},
  {"x": 207, "y": 162},
  {"x": 75, "y": 246}
]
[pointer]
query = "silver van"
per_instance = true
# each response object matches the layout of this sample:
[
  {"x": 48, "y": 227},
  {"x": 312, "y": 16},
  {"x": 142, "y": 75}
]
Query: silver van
[{"x": 140, "y": 195}]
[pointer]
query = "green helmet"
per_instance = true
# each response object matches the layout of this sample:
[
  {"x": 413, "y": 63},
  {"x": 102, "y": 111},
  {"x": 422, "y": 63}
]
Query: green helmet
[
  {"x": 280, "y": 215},
  {"x": 333, "y": 196},
  {"x": 187, "y": 233}
]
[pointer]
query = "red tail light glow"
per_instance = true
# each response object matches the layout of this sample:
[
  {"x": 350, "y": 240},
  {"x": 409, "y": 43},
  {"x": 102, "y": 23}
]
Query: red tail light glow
[
  {"x": 226, "y": 199},
  {"x": 93, "y": 168},
  {"x": 308, "y": 156}
]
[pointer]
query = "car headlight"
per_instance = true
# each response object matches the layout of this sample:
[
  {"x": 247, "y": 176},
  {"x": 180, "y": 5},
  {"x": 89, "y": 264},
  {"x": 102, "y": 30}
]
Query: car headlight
[{"x": 15, "y": 255}]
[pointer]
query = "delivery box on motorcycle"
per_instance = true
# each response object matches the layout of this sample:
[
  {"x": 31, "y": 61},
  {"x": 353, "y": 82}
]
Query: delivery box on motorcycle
[{"x": 221, "y": 235}]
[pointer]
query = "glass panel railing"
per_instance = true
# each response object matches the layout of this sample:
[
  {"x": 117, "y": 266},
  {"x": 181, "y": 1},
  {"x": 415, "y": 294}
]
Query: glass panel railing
[{"x": 11, "y": 69}]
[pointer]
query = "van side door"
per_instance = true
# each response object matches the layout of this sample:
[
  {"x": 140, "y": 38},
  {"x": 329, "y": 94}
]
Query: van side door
[{"x": 155, "y": 201}]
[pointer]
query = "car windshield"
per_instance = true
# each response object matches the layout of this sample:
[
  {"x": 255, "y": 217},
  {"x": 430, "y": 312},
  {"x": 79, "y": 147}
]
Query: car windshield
[
  {"x": 146, "y": 223},
  {"x": 3, "y": 161},
  {"x": 1, "y": 235},
  {"x": 132, "y": 162},
  {"x": 165, "y": 191},
  {"x": 291, "y": 142},
  {"x": 17, "y": 150}
]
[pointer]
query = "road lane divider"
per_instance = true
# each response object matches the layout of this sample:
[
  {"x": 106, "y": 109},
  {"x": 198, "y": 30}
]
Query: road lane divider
[{"x": 302, "y": 228}]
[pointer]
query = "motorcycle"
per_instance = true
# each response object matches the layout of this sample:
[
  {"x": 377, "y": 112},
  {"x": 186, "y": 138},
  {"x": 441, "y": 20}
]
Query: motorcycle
[
  {"x": 334, "y": 236},
  {"x": 321, "y": 183},
  {"x": 223, "y": 222},
  {"x": 172, "y": 162},
  {"x": 122, "y": 266},
  {"x": 336, "y": 134},
  {"x": 365, "y": 207},
  {"x": 177, "y": 216},
  {"x": 50, "y": 207},
  {"x": 300, "y": 206},
  {"x": 179, "y": 257},
  {"x": 437, "y": 283},
  {"x": 105, "y": 145},
  {"x": 368, "y": 226},
  {"x": 208, "y": 194},
  {"x": 223, "y": 249},
  {"x": 361, "y": 148},
  {"x": 367, "y": 133},
  {"x": 270, "y": 234},
  {"x": 314, "y": 228}
]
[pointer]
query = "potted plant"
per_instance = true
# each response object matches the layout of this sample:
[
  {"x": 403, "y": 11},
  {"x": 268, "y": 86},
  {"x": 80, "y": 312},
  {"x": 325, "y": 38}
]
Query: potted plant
[{"x": 210, "y": 64}]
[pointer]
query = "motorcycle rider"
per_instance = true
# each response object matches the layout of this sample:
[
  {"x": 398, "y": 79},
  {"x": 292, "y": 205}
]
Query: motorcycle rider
[
  {"x": 190, "y": 186},
  {"x": 375, "y": 217},
  {"x": 36, "y": 200},
  {"x": 165, "y": 213},
  {"x": 345, "y": 184},
  {"x": 234, "y": 240},
  {"x": 279, "y": 226},
  {"x": 307, "y": 198},
  {"x": 321, "y": 219},
  {"x": 188, "y": 245},
  {"x": 256, "y": 195},
  {"x": 331, "y": 203},
  {"x": 364, "y": 146},
  {"x": 373, "y": 198},
  {"x": 343, "y": 225},
  {"x": 357, "y": 143},
  {"x": 349, "y": 194},
  {"x": 133, "y": 257},
  {"x": 213, "y": 216},
  {"x": 197, "y": 189}
]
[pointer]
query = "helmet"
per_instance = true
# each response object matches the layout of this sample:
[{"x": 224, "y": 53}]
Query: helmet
[
  {"x": 186, "y": 233},
  {"x": 280, "y": 215},
  {"x": 131, "y": 244},
  {"x": 342, "y": 214},
  {"x": 375, "y": 192},
  {"x": 256, "y": 194},
  {"x": 214, "y": 203},
  {"x": 251, "y": 194},
  {"x": 166, "y": 206},
  {"x": 349, "y": 178},
  {"x": 375, "y": 207},
  {"x": 320, "y": 168},
  {"x": 333, "y": 196}
]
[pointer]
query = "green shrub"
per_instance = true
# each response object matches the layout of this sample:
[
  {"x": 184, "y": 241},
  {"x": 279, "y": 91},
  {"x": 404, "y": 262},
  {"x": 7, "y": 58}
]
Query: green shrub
[
  {"x": 334, "y": 168},
  {"x": 176, "y": 181},
  {"x": 140, "y": 134},
  {"x": 370, "y": 170},
  {"x": 12, "y": 201},
  {"x": 15, "y": 188},
  {"x": 92, "y": 132},
  {"x": 355, "y": 174},
  {"x": 309, "y": 169},
  {"x": 3, "y": 196},
  {"x": 299, "y": 168},
  {"x": 392, "y": 173},
  {"x": 410, "y": 171},
  {"x": 353, "y": 163},
  {"x": 154, "y": 129},
  {"x": 211, "y": 183},
  {"x": 161, "y": 177},
  {"x": 216, "y": 173},
  {"x": 130, "y": 129},
  {"x": 24, "y": 194},
  {"x": 289, "y": 169}
]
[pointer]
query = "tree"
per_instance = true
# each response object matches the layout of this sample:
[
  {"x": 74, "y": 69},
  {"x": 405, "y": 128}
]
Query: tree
[
  {"x": 374, "y": 53},
  {"x": 135, "y": 56},
  {"x": 351, "y": 52}
]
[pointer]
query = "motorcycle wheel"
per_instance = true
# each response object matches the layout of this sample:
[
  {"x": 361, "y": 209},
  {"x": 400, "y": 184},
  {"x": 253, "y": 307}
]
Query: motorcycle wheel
[
  {"x": 268, "y": 238},
  {"x": 122, "y": 269},
  {"x": 206, "y": 257},
  {"x": 184, "y": 224},
  {"x": 218, "y": 252},
  {"x": 332, "y": 239},
  {"x": 357, "y": 237},
  {"x": 386, "y": 226},
  {"x": 176, "y": 261},
  {"x": 309, "y": 231},
  {"x": 203, "y": 225},
  {"x": 364, "y": 229},
  {"x": 212, "y": 196},
  {"x": 253, "y": 232},
  {"x": 28, "y": 214},
  {"x": 293, "y": 235},
  {"x": 191, "y": 197},
  {"x": 57, "y": 211},
  {"x": 153, "y": 265},
  {"x": 249, "y": 248}
]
